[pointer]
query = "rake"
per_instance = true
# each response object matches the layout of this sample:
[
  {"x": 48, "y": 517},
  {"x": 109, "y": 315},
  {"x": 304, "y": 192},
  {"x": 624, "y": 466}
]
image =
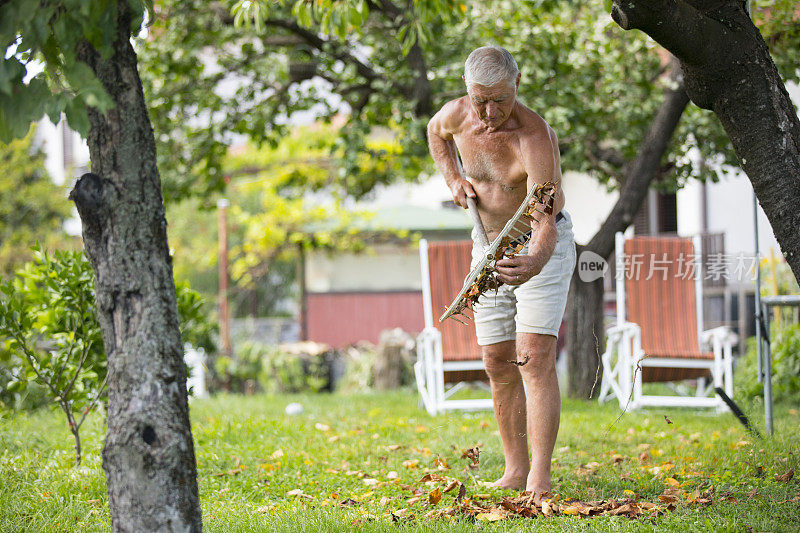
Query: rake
[{"x": 509, "y": 242}]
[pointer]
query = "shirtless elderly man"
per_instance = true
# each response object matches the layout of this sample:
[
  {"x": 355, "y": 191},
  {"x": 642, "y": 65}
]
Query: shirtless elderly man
[{"x": 506, "y": 148}]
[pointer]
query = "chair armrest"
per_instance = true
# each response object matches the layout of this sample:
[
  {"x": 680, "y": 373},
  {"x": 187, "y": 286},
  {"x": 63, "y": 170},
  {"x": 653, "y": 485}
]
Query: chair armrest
[
  {"x": 622, "y": 327},
  {"x": 616, "y": 333},
  {"x": 722, "y": 334}
]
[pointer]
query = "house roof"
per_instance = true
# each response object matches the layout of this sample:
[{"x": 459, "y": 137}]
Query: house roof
[{"x": 416, "y": 218}]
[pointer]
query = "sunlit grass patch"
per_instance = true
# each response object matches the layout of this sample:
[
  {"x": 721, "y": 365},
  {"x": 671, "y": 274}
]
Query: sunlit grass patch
[{"x": 360, "y": 462}]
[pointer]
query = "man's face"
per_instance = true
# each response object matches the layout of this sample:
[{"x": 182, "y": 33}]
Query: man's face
[{"x": 493, "y": 104}]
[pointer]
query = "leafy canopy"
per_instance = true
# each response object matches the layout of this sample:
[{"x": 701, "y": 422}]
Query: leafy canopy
[
  {"x": 40, "y": 72},
  {"x": 223, "y": 72},
  {"x": 211, "y": 83}
]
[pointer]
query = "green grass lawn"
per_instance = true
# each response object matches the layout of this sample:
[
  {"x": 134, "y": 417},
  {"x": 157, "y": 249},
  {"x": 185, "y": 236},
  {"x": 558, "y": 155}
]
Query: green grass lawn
[{"x": 365, "y": 448}]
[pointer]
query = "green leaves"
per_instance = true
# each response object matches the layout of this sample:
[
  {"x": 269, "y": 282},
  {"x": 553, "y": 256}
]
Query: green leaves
[
  {"x": 50, "y": 334},
  {"x": 45, "y": 39}
]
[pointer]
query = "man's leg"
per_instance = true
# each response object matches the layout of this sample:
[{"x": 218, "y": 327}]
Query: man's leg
[
  {"x": 508, "y": 396},
  {"x": 543, "y": 404}
]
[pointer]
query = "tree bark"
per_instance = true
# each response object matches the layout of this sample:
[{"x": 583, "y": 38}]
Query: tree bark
[
  {"x": 585, "y": 331},
  {"x": 148, "y": 456},
  {"x": 728, "y": 69}
]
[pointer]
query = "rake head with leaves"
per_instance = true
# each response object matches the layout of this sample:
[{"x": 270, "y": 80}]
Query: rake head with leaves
[{"x": 508, "y": 243}]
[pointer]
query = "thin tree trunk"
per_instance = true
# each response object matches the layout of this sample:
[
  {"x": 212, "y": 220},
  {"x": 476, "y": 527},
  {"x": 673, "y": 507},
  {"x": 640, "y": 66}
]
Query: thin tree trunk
[
  {"x": 728, "y": 69},
  {"x": 585, "y": 332},
  {"x": 75, "y": 430},
  {"x": 77, "y": 436},
  {"x": 148, "y": 456}
]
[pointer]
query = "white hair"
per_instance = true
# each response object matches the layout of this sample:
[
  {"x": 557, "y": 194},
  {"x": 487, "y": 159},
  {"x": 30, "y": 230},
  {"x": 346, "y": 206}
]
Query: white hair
[{"x": 490, "y": 65}]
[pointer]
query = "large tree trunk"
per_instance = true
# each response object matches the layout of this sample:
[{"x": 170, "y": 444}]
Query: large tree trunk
[
  {"x": 148, "y": 454},
  {"x": 585, "y": 330},
  {"x": 728, "y": 69},
  {"x": 585, "y": 333}
]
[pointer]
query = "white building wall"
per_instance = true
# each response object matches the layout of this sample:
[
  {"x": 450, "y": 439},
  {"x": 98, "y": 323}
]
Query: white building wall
[
  {"x": 729, "y": 210},
  {"x": 65, "y": 162},
  {"x": 385, "y": 268},
  {"x": 588, "y": 203},
  {"x": 51, "y": 139}
]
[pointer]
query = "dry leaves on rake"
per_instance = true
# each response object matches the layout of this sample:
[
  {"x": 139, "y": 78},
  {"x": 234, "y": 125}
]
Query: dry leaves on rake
[{"x": 541, "y": 203}]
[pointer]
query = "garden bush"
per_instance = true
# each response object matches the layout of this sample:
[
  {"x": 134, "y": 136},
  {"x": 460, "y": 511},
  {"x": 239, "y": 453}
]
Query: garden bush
[
  {"x": 51, "y": 347},
  {"x": 785, "y": 366},
  {"x": 288, "y": 368}
]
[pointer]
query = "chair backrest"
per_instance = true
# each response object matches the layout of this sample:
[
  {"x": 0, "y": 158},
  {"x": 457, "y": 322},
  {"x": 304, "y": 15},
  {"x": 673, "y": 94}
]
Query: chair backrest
[
  {"x": 660, "y": 278},
  {"x": 448, "y": 265}
]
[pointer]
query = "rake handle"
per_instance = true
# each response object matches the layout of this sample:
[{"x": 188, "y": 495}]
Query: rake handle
[{"x": 472, "y": 207}]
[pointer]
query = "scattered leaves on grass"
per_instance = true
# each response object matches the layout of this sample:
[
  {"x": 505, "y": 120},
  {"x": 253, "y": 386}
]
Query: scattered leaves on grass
[
  {"x": 462, "y": 491},
  {"x": 473, "y": 454},
  {"x": 299, "y": 493},
  {"x": 441, "y": 463},
  {"x": 492, "y": 516},
  {"x": 785, "y": 477},
  {"x": 451, "y": 486},
  {"x": 231, "y": 472}
]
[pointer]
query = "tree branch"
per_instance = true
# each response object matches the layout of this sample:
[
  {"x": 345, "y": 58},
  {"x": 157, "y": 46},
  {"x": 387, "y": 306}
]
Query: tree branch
[
  {"x": 676, "y": 25},
  {"x": 644, "y": 167},
  {"x": 327, "y": 46},
  {"x": 94, "y": 400}
]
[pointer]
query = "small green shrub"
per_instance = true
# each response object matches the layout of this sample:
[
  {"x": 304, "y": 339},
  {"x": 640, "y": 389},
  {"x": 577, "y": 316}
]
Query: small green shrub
[
  {"x": 358, "y": 375},
  {"x": 240, "y": 373},
  {"x": 51, "y": 347},
  {"x": 274, "y": 369},
  {"x": 785, "y": 366},
  {"x": 286, "y": 372},
  {"x": 51, "y": 336}
]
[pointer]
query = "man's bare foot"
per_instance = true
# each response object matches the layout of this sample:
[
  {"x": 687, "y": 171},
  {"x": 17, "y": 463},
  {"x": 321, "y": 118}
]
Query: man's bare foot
[
  {"x": 540, "y": 492},
  {"x": 510, "y": 481},
  {"x": 539, "y": 483}
]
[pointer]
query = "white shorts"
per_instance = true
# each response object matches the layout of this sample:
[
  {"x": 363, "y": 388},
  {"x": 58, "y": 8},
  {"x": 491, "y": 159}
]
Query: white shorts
[{"x": 536, "y": 306}]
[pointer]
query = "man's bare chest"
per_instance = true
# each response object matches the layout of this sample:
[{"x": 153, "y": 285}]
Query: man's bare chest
[{"x": 490, "y": 157}]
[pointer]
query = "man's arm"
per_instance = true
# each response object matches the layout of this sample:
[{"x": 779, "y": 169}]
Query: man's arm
[
  {"x": 443, "y": 151},
  {"x": 541, "y": 161}
]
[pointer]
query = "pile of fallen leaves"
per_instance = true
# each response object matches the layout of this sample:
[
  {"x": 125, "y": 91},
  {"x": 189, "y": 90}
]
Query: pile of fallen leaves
[
  {"x": 481, "y": 507},
  {"x": 437, "y": 495}
]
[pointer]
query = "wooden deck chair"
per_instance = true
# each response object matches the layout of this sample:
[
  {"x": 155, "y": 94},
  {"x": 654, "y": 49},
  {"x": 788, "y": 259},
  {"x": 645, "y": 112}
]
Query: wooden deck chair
[
  {"x": 659, "y": 333},
  {"x": 447, "y": 352}
]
